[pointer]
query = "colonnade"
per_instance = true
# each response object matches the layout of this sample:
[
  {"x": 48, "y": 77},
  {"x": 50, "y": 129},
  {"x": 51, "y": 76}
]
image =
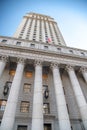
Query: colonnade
[{"x": 37, "y": 112}]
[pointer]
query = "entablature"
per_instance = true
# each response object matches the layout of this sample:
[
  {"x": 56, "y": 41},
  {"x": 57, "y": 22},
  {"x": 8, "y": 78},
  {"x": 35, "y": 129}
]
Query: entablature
[{"x": 14, "y": 47}]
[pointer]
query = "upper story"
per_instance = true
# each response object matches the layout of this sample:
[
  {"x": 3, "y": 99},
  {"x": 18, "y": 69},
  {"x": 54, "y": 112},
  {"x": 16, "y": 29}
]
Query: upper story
[{"x": 40, "y": 28}]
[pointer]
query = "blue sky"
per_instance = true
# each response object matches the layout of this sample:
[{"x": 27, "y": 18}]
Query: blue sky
[{"x": 71, "y": 16}]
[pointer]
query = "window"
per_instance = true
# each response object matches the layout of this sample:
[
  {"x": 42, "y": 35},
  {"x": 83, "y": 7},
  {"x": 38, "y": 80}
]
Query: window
[
  {"x": 2, "y": 104},
  {"x": 18, "y": 43},
  {"x": 27, "y": 88},
  {"x": 12, "y": 72},
  {"x": 46, "y": 108},
  {"x": 71, "y": 51},
  {"x": 59, "y": 49},
  {"x": 45, "y": 76},
  {"x": 24, "y": 106},
  {"x": 4, "y": 40},
  {"x": 82, "y": 53},
  {"x": 28, "y": 74},
  {"x": 22, "y": 127},
  {"x": 20, "y": 37},
  {"x": 32, "y": 45},
  {"x": 46, "y": 47}
]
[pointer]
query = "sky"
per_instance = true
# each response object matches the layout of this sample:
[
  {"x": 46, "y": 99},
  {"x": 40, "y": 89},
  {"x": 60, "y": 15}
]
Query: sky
[{"x": 70, "y": 15}]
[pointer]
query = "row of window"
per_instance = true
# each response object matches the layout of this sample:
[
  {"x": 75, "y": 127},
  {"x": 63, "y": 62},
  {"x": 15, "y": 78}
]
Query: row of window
[
  {"x": 35, "y": 30},
  {"x": 24, "y": 106},
  {"x": 26, "y": 88},
  {"x": 25, "y": 127},
  {"x": 28, "y": 74},
  {"x": 45, "y": 47}
]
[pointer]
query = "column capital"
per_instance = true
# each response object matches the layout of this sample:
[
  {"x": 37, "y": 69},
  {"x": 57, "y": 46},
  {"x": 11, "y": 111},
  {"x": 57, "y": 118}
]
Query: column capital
[
  {"x": 69, "y": 67},
  {"x": 4, "y": 58},
  {"x": 21, "y": 60},
  {"x": 54, "y": 65},
  {"x": 38, "y": 62},
  {"x": 83, "y": 69}
]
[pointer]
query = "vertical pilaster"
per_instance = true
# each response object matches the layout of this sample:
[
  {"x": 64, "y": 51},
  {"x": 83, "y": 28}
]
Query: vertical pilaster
[
  {"x": 78, "y": 95},
  {"x": 84, "y": 73},
  {"x": 10, "y": 110},
  {"x": 3, "y": 60},
  {"x": 37, "y": 115},
  {"x": 63, "y": 117},
  {"x": 32, "y": 30}
]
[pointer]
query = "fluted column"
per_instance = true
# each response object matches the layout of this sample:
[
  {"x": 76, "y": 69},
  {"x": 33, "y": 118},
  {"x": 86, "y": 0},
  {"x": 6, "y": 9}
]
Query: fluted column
[
  {"x": 78, "y": 95},
  {"x": 10, "y": 110},
  {"x": 3, "y": 60},
  {"x": 37, "y": 115},
  {"x": 84, "y": 73},
  {"x": 63, "y": 117}
]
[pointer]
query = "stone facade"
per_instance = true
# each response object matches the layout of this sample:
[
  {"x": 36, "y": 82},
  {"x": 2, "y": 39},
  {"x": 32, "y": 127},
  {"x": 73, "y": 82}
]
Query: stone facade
[{"x": 42, "y": 86}]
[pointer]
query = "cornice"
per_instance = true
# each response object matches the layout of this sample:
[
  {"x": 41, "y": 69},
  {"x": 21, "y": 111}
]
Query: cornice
[
  {"x": 42, "y": 52},
  {"x": 41, "y": 55},
  {"x": 24, "y": 40}
]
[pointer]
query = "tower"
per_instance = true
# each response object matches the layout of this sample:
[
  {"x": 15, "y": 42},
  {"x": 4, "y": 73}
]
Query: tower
[{"x": 40, "y": 28}]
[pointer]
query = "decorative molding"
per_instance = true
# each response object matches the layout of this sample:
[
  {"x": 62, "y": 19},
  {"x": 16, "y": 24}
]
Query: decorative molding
[
  {"x": 83, "y": 69},
  {"x": 4, "y": 58},
  {"x": 54, "y": 65},
  {"x": 21, "y": 60},
  {"x": 38, "y": 62},
  {"x": 44, "y": 57},
  {"x": 69, "y": 67}
]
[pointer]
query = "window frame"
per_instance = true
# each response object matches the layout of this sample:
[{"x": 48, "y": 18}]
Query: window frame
[
  {"x": 46, "y": 110},
  {"x": 27, "y": 88},
  {"x": 2, "y": 107},
  {"x": 24, "y": 108}
]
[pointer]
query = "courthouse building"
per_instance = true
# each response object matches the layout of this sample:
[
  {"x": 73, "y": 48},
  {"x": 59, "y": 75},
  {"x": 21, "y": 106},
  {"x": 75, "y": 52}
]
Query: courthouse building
[{"x": 43, "y": 82}]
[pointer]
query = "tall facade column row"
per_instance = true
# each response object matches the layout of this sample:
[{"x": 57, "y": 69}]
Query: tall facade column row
[
  {"x": 63, "y": 117},
  {"x": 3, "y": 61},
  {"x": 81, "y": 102},
  {"x": 84, "y": 72},
  {"x": 37, "y": 112},
  {"x": 10, "y": 110}
]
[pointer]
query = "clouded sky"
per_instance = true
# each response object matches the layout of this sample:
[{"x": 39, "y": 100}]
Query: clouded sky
[{"x": 71, "y": 16}]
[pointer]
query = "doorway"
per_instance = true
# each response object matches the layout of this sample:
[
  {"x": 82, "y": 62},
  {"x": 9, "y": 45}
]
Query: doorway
[{"x": 47, "y": 127}]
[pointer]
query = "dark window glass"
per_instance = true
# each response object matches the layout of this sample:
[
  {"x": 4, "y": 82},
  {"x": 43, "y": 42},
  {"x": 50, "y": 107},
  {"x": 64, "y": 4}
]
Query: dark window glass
[
  {"x": 47, "y": 127},
  {"x": 18, "y": 43},
  {"x": 21, "y": 127},
  {"x": 4, "y": 40},
  {"x": 45, "y": 47},
  {"x": 32, "y": 45}
]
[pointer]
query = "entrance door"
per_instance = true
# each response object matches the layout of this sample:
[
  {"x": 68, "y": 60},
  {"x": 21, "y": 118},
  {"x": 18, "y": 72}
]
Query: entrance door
[{"x": 47, "y": 127}]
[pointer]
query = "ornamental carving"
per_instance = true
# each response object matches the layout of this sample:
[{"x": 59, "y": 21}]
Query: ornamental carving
[
  {"x": 21, "y": 60},
  {"x": 54, "y": 65},
  {"x": 83, "y": 69},
  {"x": 4, "y": 58},
  {"x": 38, "y": 62},
  {"x": 69, "y": 67}
]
